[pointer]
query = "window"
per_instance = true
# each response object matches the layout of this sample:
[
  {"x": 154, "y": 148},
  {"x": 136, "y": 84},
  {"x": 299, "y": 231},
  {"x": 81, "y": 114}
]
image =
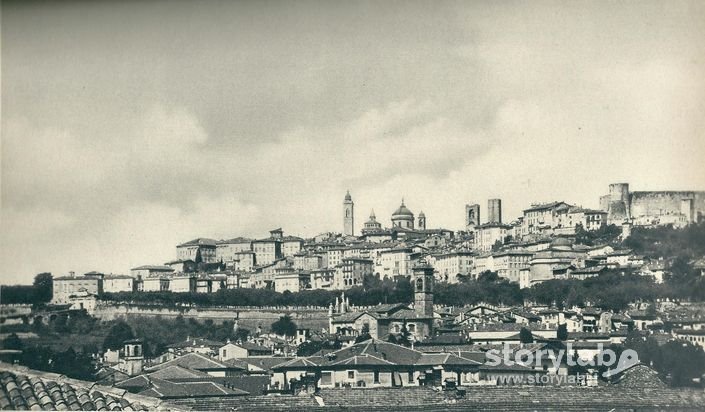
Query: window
[
  {"x": 326, "y": 378},
  {"x": 411, "y": 376},
  {"x": 351, "y": 375},
  {"x": 376, "y": 377}
]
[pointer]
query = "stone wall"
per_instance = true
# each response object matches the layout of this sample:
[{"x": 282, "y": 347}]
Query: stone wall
[
  {"x": 652, "y": 207},
  {"x": 314, "y": 318},
  {"x": 665, "y": 203}
]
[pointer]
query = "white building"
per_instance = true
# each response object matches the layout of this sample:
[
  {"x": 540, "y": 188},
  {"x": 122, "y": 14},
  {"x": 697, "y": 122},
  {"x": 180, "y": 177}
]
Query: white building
[
  {"x": 226, "y": 250},
  {"x": 118, "y": 283},
  {"x": 448, "y": 266},
  {"x": 488, "y": 234},
  {"x": 395, "y": 262}
]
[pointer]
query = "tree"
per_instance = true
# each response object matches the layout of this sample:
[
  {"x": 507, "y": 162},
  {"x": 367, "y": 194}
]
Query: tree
[
  {"x": 43, "y": 287},
  {"x": 284, "y": 326},
  {"x": 119, "y": 333},
  {"x": 525, "y": 336},
  {"x": 683, "y": 361},
  {"x": 12, "y": 342},
  {"x": 562, "y": 333},
  {"x": 405, "y": 337},
  {"x": 364, "y": 334},
  {"x": 497, "y": 245},
  {"x": 488, "y": 276}
]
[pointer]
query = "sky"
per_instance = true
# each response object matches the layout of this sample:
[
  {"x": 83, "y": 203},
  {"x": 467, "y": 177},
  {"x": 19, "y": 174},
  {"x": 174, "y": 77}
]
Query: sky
[{"x": 129, "y": 127}]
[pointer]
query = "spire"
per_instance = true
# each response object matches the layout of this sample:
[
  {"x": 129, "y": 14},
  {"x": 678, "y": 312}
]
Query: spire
[
  {"x": 347, "y": 196},
  {"x": 402, "y": 201},
  {"x": 372, "y": 215}
]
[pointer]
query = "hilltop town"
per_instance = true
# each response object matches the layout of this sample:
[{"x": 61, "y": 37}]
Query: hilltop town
[{"x": 289, "y": 322}]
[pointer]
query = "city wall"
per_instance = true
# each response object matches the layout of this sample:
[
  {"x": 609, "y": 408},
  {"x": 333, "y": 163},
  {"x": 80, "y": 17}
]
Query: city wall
[
  {"x": 665, "y": 203},
  {"x": 314, "y": 318}
]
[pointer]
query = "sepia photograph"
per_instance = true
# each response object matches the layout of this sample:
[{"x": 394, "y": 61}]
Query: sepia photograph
[{"x": 327, "y": 205}]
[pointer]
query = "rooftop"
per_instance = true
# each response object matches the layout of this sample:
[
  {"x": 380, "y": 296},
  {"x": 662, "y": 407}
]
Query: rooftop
[{"x": 22, "y": 388}]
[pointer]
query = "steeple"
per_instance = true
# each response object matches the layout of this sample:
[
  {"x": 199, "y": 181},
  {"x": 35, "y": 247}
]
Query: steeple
[
  {"x": 348, "y": 215},
  {"x": 423, "y": 289}
]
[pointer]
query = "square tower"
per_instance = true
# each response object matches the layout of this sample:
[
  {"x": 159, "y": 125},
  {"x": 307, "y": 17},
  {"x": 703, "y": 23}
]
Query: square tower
[
  {"x": 348, "y": 215},
  {"x": 423, "y": 289}
]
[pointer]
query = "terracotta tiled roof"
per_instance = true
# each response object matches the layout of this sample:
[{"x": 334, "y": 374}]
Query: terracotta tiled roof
[
  {"x": 166, "y": 389},
  {"x": 201, "y": 241},
  {"x": 193, "y": 361},
  {"x": 296, "y": 363},
  {"x": 23, "y": 388},
  {"x": 520, "y": 398},
  {"x": 265, "y": 362},
  {"x": 638, "y": 376},
  {"x": 362, "y": 360},
  {"x": 450, "y": 359},
  {"x": 386, "y": 351}
]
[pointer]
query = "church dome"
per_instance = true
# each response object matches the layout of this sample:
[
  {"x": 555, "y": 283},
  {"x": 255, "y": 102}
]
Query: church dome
[
  {"x": 402, "y": 211},
  {"x": 347, "y": 196},
  {"x": 421, "y": 214}
]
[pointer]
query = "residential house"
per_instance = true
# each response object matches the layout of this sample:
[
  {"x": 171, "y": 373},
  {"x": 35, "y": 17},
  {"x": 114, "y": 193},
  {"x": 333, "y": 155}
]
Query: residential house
[
  {"x": 145, "y": 271},
  {"x": 489, "y": 234},
  {"x": 65, "y": 287},
  {"x": 376, "y": 363},
  {"x": 242, "y": 350},
  {"x": 449, "y": 266},
  {"x": 509, "y": 263},
  {"x": 118, "y": 283},
  {"x": 269, "y": 249},
  {"x": 199, "y": 250},
  {"x": 226, "y": 250}
]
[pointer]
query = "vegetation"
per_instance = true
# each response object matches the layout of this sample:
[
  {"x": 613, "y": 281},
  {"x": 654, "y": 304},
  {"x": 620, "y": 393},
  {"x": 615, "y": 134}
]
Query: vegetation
[
  {"x": 525, "y": 336},
  {"x": 604, "y": 235},
  {"x": 119, "y": 333},
  {"x": 40, "y": 292},
  {"x": 12, "y": 341},
  {"x": 678, "y": 361},
  {"x": 284, "y": 326},
  {"x": 665, "y": 241},
  {"x": 488, "y": 288}
]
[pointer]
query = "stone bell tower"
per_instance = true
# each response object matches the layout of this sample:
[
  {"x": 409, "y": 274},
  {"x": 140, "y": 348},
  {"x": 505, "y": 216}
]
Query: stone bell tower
[
  {"x": 133, "y": 357},
  {"x": 348, "y": 215},
  {"x": 423, "y": 289}
]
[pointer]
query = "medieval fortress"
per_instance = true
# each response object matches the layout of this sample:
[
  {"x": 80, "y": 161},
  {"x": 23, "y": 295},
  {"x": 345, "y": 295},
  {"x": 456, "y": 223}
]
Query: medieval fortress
[{"x": 652, "y": 208}]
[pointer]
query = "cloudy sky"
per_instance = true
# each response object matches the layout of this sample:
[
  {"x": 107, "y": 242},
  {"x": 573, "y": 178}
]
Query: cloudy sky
[{"x": 128, "y": 127}]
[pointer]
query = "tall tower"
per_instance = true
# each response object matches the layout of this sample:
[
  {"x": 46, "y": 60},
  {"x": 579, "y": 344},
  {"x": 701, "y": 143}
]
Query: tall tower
[
  {"x": 423, "y": 289},
  {"x": 494, "y": 211},
  {"x": 472, "y": 217},
  {"x": 348, "y": 215},
  {"x": 422, "y": 221}
]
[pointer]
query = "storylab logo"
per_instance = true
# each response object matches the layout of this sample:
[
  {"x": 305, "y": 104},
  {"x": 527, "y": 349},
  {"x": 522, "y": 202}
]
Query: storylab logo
[{"x": 605, "y": 357}]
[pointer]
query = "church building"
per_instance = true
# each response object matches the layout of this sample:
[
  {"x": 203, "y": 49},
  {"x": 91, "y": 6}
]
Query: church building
[{"x": 382, "y": 320}]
